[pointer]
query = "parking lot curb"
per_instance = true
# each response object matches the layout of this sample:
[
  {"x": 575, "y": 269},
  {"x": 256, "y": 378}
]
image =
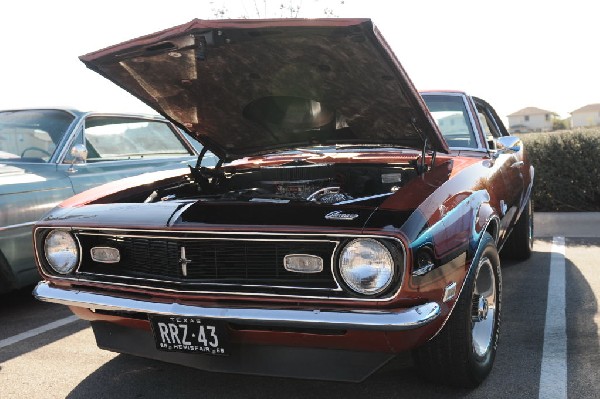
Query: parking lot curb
[{"x": 567, "y": 224}]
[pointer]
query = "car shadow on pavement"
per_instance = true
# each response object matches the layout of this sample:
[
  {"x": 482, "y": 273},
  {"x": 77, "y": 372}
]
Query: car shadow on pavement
[
  {"x": 131, "y": 377},
  {"x": 20, "y": 313},
  {"x": 30, "y": 344},
  {"x": 583, "y": 345}
]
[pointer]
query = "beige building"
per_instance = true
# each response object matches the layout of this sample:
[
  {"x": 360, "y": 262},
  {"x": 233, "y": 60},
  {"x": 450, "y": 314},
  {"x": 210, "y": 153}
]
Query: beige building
[
  {"x": 531, "y": 119},
  {"x": 586, "y": 116}
]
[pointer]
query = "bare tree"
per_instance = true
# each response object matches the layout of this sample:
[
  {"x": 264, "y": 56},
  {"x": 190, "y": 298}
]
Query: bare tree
[{"x": 274, "y": 9}]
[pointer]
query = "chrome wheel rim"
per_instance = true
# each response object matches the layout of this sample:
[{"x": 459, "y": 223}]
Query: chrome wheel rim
[{"x": 483, "y": 311}]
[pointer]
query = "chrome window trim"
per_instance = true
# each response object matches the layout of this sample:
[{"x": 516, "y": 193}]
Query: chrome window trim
[
  {"x": 65, "y": 144},
  {"x": 477, "y": 128},
  {"x": 327, "y": 237},
  {"x": 482, "y": 150}
]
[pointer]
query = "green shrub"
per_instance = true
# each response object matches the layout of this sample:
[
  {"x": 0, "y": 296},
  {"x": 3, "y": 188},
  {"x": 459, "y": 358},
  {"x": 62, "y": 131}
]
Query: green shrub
[{"x": 567, "y": 169}]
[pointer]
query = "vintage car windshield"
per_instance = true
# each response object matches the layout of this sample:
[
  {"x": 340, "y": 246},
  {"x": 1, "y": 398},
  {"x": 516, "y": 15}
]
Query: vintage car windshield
[
  {"x": 451, "y": 116},
  {"x": 31, "y": 135}
]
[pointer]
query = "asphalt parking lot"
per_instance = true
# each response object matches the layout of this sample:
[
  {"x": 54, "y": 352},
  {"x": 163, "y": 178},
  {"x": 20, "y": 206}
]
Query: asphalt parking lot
[{"x": 549, "y": 345}]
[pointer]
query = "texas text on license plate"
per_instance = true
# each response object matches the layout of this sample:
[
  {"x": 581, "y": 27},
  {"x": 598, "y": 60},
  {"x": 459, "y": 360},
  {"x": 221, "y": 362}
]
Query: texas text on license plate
[{"x": 190, "y": 335}]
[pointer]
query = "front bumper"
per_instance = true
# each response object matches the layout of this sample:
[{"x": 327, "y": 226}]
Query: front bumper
[{"x": 388, "y": 320}]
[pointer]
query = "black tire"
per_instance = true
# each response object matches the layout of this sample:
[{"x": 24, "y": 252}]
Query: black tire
[
  {"x": 7, "y": 280},
  {"x": 519, "y": 244},
  {"x": 463, "y": 353}
]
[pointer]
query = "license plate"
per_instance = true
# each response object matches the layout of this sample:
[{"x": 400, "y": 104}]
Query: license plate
[{"x": 190, "y": 335}]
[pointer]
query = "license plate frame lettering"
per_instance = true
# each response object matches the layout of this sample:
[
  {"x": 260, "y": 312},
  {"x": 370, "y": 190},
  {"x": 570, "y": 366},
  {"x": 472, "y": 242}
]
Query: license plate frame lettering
[{"x": 190, "y": 335}]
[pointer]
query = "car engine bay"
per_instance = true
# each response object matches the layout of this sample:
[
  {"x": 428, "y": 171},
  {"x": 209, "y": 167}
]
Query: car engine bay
[{"x": 297, "y": 181}]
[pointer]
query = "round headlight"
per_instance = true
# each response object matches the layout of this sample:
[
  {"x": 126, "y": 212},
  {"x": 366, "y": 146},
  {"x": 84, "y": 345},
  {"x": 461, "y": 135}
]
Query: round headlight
[
  {"x": 61, "y": 251},
  {"x": 366, "y": 266}
]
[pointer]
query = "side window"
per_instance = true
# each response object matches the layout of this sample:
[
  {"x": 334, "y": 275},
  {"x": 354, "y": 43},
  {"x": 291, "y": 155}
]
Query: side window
[
  {"x": 450, "y": 114},
  {"x": 32, "y": 135},
  {"x": 489, "y": 126},
  {"x": 122, "y": 138}
]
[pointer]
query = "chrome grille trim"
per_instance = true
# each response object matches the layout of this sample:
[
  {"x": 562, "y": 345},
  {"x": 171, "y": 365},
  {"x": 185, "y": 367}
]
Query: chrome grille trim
[{"x": 195, "y": 235}]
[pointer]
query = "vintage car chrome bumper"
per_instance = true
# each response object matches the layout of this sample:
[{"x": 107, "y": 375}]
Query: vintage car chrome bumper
[{"x": 403, "y": 319}]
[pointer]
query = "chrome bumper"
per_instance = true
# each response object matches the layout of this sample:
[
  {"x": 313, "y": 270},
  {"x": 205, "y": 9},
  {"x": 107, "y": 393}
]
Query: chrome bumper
[{"x": 403, "y": 319}]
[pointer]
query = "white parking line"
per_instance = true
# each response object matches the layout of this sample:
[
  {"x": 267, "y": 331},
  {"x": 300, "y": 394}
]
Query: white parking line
[
  {"x": 36, "y": 331},
  {"x": 553, "y": 377}
]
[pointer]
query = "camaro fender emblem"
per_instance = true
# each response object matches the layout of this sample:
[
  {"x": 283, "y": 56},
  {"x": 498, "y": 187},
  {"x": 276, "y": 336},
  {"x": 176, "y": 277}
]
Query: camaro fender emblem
[
  {"x": 183, "y": 261},
  {"x": 339, "y": 215}
]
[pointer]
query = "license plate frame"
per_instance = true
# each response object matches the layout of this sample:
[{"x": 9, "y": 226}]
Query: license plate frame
[{"x": 193, "y": 335}]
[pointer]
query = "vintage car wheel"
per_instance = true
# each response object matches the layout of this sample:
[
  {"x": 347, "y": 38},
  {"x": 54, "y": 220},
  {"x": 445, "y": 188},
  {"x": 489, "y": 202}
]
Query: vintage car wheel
[
  {"x": 520, "y": 242},
  {"x": 463, "y": 353}
]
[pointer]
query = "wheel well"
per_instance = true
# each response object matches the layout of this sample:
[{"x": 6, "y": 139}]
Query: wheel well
[
  {"x": 492, "y": 228},
  {"x": 7, "y": 280}
]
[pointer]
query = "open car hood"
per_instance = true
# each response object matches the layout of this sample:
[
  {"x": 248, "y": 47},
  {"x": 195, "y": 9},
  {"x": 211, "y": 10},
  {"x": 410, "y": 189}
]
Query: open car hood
[{"x": 249, "y": 87}]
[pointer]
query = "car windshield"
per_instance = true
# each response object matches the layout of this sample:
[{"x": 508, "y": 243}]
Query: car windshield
[
  {"x": 451, "y": 116},
  {"x": 31, "y": 135}
]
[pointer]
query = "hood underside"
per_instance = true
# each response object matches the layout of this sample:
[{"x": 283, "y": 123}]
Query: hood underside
[{"x": 248, "y": 87}]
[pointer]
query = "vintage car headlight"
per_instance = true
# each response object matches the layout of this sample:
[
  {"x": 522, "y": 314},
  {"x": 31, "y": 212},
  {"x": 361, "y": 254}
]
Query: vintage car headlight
[
  {"x": 61, "y": 251},
  {"x": 366, "y": 266}
]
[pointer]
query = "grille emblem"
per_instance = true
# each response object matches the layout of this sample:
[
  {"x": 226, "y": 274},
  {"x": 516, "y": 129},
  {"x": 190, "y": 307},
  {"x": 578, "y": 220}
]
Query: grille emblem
[{"x": 183, "y": 262}]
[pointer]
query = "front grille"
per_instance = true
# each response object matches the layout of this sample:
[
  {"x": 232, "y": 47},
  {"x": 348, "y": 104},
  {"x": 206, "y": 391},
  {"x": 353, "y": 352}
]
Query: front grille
[{"x": 210, "y": 261}]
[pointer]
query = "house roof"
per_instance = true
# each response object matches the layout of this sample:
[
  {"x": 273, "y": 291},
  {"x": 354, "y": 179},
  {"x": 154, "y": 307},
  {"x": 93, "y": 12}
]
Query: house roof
[
  {"x": 531, "y": 111},
  {"x": 587, "y": 108}
]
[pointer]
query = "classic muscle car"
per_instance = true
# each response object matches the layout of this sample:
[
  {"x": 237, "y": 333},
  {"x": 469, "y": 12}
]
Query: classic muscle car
[
  {"x": 349, "y": 217},
  {"x": 47, "y": 155}
]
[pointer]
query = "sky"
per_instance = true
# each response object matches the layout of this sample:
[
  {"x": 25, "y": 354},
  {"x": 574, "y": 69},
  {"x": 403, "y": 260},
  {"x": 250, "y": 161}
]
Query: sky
[{"x": 512, "y": 53}]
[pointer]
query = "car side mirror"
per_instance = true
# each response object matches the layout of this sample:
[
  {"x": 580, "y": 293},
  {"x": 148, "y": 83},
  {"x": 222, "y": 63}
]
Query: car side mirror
[
  {"x": 508, "y": 145},
  {"x": 79, "y": 153}
]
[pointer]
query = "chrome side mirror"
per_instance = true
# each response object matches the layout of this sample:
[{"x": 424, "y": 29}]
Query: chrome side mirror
[
  {"x": 507, "y": 145},
  {"x": 79, "y": 153}
]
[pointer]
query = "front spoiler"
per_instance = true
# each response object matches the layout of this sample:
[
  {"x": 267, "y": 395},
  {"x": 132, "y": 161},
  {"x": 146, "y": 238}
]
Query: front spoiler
[{"x": 388, "y": 320}]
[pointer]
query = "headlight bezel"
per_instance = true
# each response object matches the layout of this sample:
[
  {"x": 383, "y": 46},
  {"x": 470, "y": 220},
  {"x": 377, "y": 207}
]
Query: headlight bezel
[
  {"x": 49, "y": 265},
  {"x": 396, "y": 253}
]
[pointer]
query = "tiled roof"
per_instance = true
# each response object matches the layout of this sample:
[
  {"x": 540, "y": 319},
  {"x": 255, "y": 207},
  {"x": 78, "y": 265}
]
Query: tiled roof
[
  {"x": 531, "y": 111},
  {"x": 587, "y": 108}
]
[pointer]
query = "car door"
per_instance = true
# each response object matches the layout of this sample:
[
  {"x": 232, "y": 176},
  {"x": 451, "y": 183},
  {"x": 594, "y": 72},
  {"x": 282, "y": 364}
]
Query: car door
[
  {"x": 509, "y": 162},
  {"x": 121, "y": 146}
]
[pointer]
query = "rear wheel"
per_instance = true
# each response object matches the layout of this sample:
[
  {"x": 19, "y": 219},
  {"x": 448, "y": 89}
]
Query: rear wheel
[
  {"x": 463, "y": 353},
  {"x": 519, "y": 244}
]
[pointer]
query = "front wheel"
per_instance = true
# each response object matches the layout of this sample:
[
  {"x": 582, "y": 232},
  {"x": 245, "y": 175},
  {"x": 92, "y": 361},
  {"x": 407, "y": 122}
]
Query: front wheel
[{"x": 463, "y": 353}]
